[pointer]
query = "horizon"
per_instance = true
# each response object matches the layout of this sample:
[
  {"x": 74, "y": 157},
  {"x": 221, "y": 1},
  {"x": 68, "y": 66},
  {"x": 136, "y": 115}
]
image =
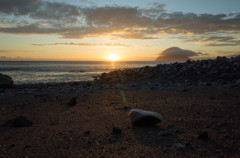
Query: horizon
[
  {"x": 35, "y": 30},
  {"x": 107, "y": 61}
]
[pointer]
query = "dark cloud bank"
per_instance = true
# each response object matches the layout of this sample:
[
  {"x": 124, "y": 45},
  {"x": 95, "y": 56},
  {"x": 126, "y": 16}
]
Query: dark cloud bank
[{"x": 69, "y": 21}]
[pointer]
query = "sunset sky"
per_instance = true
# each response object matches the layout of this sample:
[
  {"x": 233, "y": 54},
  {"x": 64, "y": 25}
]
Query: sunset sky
[{"x": 131, "y": 29}]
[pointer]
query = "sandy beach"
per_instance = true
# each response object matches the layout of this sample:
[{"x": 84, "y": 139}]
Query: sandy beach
[{"x": 199, "y": 122}]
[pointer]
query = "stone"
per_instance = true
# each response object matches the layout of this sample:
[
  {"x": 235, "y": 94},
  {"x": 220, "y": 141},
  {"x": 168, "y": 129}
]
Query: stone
[
  {"x": 203, "y": 136},
  {"x": 86, "y": 133},
  {"x": 178, "y": 145},
  {"x": 166, "y": 134},
  {"x": 116, "y": 130},
  {"x": 72, "y": 101},
  {"x": 27, "y": 146},
  {"x": 6, "y": 81},
  {"x": 20, "y": 121},
  {"x": 126, "y": 107},
  {"x": 116, "y": 135},
  {"x": 11, "y": 146},
  {"x": 144, "y": 118}
]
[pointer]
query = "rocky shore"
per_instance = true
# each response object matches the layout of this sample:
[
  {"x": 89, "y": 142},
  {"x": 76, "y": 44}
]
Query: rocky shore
[
  {"x": 221, "y": 71},
  {"x": 198, "y": 100}
]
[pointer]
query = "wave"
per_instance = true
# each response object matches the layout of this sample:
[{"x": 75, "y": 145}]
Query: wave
[
  {"x": 44, "y": 72},
  {"x": 76, "y": 71},
  {"x": 11, "y": 69}
]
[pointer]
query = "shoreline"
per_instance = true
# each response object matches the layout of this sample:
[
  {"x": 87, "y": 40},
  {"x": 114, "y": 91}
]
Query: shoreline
[
  {"x": 222, "y": 71},
  {"x": 219, "y": 72},
  {"x": 90, "y": 118}
]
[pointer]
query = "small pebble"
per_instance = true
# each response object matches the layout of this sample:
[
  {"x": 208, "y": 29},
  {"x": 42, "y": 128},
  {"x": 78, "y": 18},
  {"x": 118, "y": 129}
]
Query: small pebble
[
  {"x": 203, "y": 136},
  {"x": 86, "y": 133},
  {"x": 116, "y": 130},
  {"x": 178, "y": 145},
  {"x": 72, "y": 101}
]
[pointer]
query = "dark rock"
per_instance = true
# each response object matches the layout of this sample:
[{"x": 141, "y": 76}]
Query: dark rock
[
  {"x": 2, "y": 90},
  {"x": 116, "y": 135},
  {"x": 170, "y": 126},
  {"x": 178, "y": 145},
  {"x": 116, "y": 130},
  {"x": 17, "y": 122},
  {"x": 11, "y": 146},
  {"x": 72, "y": 101},
  {"x": 166, "y": 134},
  {"x": 6, "y": 81},
  {"x": 188, "y": 144},
  {"x": 113, "y": 139},
  {"x": 126, "y": 107},
  {"x": 21, "y": 121},
  {"x": 203, "y": 136},
  {"x": 178, "y": 132},
  {"x": 86, "y": 133},
  {"x": 27, "y": 147},
  {"x": 104, "y": 75}
]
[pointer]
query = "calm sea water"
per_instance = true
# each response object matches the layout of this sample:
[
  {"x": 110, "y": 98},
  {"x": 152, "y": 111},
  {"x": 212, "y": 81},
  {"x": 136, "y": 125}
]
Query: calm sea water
[{"x": 25, "y": 72}]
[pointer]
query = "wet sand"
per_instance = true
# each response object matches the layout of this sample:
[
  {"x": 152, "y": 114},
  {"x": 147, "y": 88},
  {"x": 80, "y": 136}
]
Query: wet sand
[{"x": 204, "y": 120}]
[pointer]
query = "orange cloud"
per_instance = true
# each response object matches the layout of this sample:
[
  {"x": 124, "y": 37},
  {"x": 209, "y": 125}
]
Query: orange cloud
[{"x": 85, "y": 44}]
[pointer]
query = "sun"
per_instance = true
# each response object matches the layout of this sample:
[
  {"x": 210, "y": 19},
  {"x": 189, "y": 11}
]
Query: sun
[{"x": 112, "y": 57}]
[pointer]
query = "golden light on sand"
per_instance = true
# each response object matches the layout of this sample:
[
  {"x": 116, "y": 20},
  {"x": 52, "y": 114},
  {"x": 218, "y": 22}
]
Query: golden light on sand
[{"x": 112, "y": 57}]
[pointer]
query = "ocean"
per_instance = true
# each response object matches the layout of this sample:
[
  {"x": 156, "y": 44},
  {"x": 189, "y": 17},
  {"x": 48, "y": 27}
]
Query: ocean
[{"x": 31, "y": 72}]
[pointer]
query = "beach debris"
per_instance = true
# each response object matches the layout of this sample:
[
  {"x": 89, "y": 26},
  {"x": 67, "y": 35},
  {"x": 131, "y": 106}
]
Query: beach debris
[
  {"x": 143, "y": 117},
  {"x": 19, "y": 121},
  {"x": 6, "y": 81},
  {"x": 203, "y": 136},
  {"x": 72, "y": 101}
]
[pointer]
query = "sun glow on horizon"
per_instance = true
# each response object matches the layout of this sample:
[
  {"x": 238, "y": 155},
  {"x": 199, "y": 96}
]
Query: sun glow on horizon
[{"x": 113, "y": 57}]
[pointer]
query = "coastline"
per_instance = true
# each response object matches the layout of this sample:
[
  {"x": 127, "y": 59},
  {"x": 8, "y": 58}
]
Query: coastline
[{"x": 199, "y": 120}]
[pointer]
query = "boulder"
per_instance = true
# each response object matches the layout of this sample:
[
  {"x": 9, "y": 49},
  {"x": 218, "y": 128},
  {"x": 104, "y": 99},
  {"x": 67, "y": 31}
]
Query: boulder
[
  {"x": 19, "y": 121},
  {"x": 144, "y": 118},
  {"x": 6, "y": 81}
]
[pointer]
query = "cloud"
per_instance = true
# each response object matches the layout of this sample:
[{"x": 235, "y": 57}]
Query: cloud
[
  {"x": 213, "y": 40},
  {"x": 76, "y": 22},
  {"x": 4, "y": 51},
  {"x": 227, "y": 53},
  {"x": 6, "y": 58},
  {"x": 177, "y": 54},
  {"x": 223, "y": 44},
  {"x": 85, "y": 44}
]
